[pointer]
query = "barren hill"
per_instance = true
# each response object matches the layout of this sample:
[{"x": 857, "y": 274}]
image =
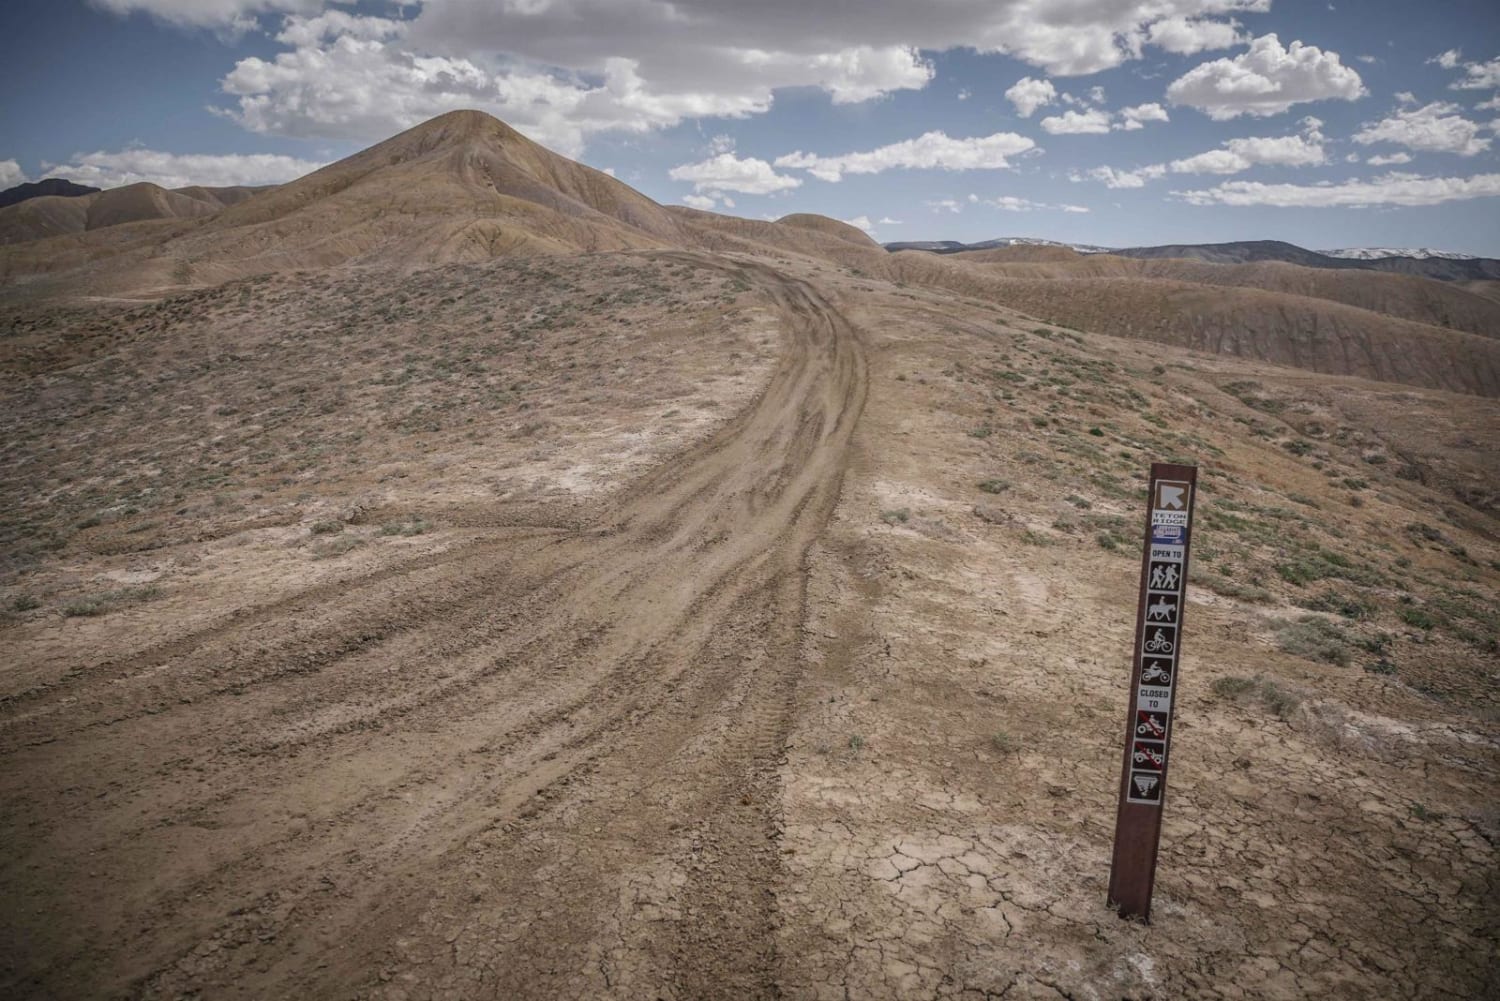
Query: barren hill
[
  {"x": 1249, "y": 251},
  {"x": 1439, "y": 304},
  {"x": 54, "y": 215},
  {"x": 462, "y": 187},
  {"x": 1314, "y": 334},
  {"x": 465, "y": 187}
]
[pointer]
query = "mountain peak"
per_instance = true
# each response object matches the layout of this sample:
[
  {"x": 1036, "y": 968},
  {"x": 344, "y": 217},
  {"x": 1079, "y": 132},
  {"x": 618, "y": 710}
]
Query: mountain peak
[{"x": 451, "y": 129}]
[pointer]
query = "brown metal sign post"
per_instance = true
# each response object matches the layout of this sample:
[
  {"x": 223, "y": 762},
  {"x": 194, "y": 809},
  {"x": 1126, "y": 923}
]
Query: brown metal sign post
[{"x": 1153, "y": 683}]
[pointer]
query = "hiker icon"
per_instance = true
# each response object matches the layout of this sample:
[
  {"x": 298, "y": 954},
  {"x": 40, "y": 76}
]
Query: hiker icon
[
  {"x": 1159, "y": 643},
  {"x": 1164, "y": 577}
]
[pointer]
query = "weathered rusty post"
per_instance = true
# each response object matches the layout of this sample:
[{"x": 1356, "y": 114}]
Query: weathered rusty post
[{"x": 1153, "y": 683}]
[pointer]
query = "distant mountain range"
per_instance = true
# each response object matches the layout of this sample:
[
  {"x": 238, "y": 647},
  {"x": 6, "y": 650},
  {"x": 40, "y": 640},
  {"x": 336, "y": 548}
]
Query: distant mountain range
[
  {"x": 1374, "y": 253},
  {"x": 49, "y": 186},
  {"x": 1441, "y": 265}
]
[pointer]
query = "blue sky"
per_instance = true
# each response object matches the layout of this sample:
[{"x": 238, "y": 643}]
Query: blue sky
[{"x": 1114, "y": 122}]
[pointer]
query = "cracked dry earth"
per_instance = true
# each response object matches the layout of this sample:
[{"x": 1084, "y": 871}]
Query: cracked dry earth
[{"x": 800, "y": 710}]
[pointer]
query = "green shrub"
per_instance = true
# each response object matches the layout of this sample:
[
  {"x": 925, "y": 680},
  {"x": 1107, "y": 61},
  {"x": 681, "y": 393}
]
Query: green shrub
[
  {"x": 1281, "y": 701},
  {"x": 1314, "y": 638},
  {"x": 1417, "y": 618},
  {"x": 412, "y": 526}
]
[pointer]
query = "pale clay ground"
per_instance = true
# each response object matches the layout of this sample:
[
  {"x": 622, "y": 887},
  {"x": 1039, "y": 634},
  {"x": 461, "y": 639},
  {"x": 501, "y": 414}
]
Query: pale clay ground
[{"x": 935, "y": 817}]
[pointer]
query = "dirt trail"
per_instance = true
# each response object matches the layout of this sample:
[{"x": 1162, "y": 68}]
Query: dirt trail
[{"x": 542, "y": 764}]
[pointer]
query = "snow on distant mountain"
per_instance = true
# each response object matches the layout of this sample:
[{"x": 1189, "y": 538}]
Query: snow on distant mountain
[
  {"x": 953, "y": 246},
  {"x": 1375, "y": 253}
]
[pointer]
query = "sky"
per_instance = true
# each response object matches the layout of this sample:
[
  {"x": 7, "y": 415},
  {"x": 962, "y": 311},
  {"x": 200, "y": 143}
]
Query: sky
[{"x": 1107, "y": 122}]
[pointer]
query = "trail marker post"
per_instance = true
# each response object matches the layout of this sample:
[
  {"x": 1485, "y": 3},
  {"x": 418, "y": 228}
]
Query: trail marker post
[{"x": 1153, "y": 685}]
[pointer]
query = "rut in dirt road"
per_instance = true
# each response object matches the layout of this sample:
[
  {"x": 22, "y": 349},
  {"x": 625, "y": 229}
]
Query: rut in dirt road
[{"x": 540, "y": 764}]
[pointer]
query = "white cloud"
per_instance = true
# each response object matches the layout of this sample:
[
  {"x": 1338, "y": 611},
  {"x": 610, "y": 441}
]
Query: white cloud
[
  {"x": 691, "y": 38},
  {"x": 1010, "y": 203},
  {"x": 360, "y": 78},
  {"x": 1391, "y": 189},
  {"x": 176, "y": 170},
  {"x": 562, "y": 71},
  {"x": 931, "y": 151},
  {"x": 1013, "y": 203},
  {"x": 1433, "y": 128},
  {"x": 1478, "y": 76},
  {"x": 1137, "y": 117},
  {"x": 945, "y": 204},
  {"x": 703, "y": 202},
  {"x": 1266, "y": 80},
  {"x": 862, "y": 222},
  {"x": 11, "y": 174},
  {"x": 1028, "y": 95},
  {"x": 888, "y": 221},
  {"x": 1238, "y": 155},
  {"x": 365, "y": 88},
  {"x": 674, "y": 41},
  {"x": 727, "y": 172},
  {"x": 334, "y": 23},
  {"x": 233, "y": 14},
  {"x": 1186, "y": 36},
  {"x": 1447, "y": 60},
  {"x": 1405, "y": 97},
  {"x": 1091, "y": 122},
  {"x": 1114, "y": 178},
  {"x": 1392, "y": 160},
  {"x": 1493, "y": 104},
  {"x": 1097, "y": 121}
]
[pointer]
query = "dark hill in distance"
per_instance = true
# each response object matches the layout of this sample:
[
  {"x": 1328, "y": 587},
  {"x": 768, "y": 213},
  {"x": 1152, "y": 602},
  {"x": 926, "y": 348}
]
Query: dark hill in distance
[
  {"x": 47, "y": 186},
  {"x": 1258, "y": 251}
]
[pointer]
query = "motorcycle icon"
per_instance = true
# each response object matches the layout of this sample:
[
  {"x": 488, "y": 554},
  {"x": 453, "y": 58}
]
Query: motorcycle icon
[
  {"x": 1155, "y": 672},
  {"x": 1159, "y": 643}
]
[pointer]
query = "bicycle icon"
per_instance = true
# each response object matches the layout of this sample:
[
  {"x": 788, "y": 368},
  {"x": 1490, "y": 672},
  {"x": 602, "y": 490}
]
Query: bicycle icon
[{"x": 1159, "y": 643}]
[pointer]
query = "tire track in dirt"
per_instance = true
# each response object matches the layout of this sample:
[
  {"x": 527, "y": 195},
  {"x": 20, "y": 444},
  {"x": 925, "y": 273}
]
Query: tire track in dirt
[{"x": 513, "y": 742}]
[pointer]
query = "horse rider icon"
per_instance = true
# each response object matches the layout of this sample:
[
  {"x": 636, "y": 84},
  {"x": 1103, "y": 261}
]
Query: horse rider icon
[{"x": 1164, "y": 577}]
